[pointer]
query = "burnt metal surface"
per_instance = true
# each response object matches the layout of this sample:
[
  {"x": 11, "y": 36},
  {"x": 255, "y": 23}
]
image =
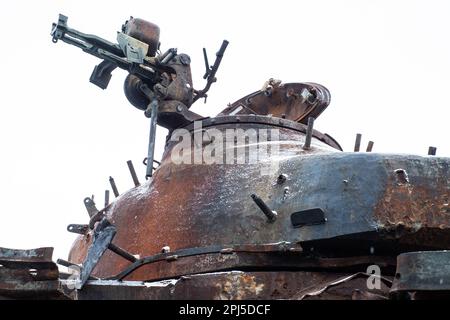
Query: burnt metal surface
[
  {"x": 26, "y": 256},
  {"x": 293, "y": 101},
  {"x": 359, "y": 193},
  {"x": 236, "y": 285},
  {"x": 340, "y": 289},
  {"x": 422, "y": 271},
  {"x": 246, "y": 257}
]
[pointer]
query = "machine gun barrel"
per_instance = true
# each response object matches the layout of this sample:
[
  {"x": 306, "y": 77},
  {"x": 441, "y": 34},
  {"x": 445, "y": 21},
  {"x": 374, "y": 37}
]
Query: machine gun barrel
[
  {"x": 103, "y": 49},
  {"x": 133, "y": 53},
  {"x": 89, "y": 43}
]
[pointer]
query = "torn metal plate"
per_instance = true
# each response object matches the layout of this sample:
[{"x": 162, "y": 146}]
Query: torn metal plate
[
  {"x": 28, "y": 274},
  {"x": 423, "y": 270}
]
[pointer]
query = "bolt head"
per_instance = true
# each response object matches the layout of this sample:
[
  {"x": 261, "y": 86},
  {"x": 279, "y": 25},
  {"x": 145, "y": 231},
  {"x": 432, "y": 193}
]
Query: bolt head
[
  {"x": 165, "y": 249},
  {"x": 282, "y": 178}
]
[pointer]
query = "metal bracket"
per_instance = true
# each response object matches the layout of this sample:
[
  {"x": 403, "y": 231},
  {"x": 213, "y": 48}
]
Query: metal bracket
[
  {"x": 134, "y": 50},
  {"x": 427, "y": 271},
  {"x": 78, "y": 228},
  {"x": 103, "y": 235},
  {"x": 90, "y": 206}
]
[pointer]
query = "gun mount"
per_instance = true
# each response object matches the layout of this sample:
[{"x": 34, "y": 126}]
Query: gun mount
[
  {"x": 155, "y": 81},
  {"x": 165, "y": 77}
]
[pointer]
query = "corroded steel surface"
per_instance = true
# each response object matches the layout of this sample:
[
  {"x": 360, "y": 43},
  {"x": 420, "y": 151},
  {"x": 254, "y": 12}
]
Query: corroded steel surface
[
  {"x": 197, "y": 205},
  {"x": 164, "y": 269},
  {"x": 27, "y": 278},
  {"x": 29, "y": 274},
  {"x": 423, "y": 271},
  {"x": 293, "y": 101},
  {"x": 238, "y": 285},
  {"x": 176, "y": 216},
  {"x": 415, "y": 203},
  {"x": 32, "y": 255}
]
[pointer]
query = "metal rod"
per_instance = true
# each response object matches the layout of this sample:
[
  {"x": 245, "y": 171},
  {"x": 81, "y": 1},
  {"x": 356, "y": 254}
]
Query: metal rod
[
  {"x": 151, "y": 144},
  {"x": 369, "y": 146},
  {"x": 309, "y": 132},
  {"x": 211, "y": 75},
  {"x": 106, "y": 198},
  {"x": 133, "y": 173},
  {"x": 270, "y": 214},
  {"x": 207, "y": 67},
  {"x": 119, "y": 251},
  {"x": 432, "y": 151},
  {"x": 66, "y": 263},
  {"x": 358, "y": 142},
  {"x": 114, "y": 187}
]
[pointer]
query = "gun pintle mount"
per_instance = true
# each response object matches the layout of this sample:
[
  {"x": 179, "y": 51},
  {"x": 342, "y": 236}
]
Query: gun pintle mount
[
  {"x": 156, "y": 80},
  {"x": 164, "y": 76}
]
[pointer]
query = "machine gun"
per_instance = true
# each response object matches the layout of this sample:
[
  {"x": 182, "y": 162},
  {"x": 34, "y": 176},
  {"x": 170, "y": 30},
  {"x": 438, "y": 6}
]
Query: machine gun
[
  {"x": 135, "y": 52},
  {"x": 130, "y": 56},
  {"x": 159, "y": 84}
]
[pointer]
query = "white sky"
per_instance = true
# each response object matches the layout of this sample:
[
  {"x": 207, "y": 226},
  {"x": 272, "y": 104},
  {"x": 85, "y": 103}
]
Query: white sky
[{"x": 386, "y": 64}]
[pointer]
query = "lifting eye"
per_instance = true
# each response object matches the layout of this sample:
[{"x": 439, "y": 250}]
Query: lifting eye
[{"x": 401, "y": 176}]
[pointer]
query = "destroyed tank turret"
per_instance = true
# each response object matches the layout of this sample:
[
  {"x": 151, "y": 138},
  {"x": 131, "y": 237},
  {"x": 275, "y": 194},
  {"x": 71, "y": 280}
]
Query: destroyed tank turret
[{"x": 253, "y": 203}]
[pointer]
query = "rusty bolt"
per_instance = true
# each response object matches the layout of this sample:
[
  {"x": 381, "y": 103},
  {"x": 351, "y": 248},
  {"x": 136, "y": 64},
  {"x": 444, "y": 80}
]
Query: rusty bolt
[
  {"x": 270, "y": 214},
  {"x": 165, "y": 249}
]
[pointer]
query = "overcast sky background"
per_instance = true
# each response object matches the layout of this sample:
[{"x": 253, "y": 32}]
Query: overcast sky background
[{"x": 386, "y": 64}]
